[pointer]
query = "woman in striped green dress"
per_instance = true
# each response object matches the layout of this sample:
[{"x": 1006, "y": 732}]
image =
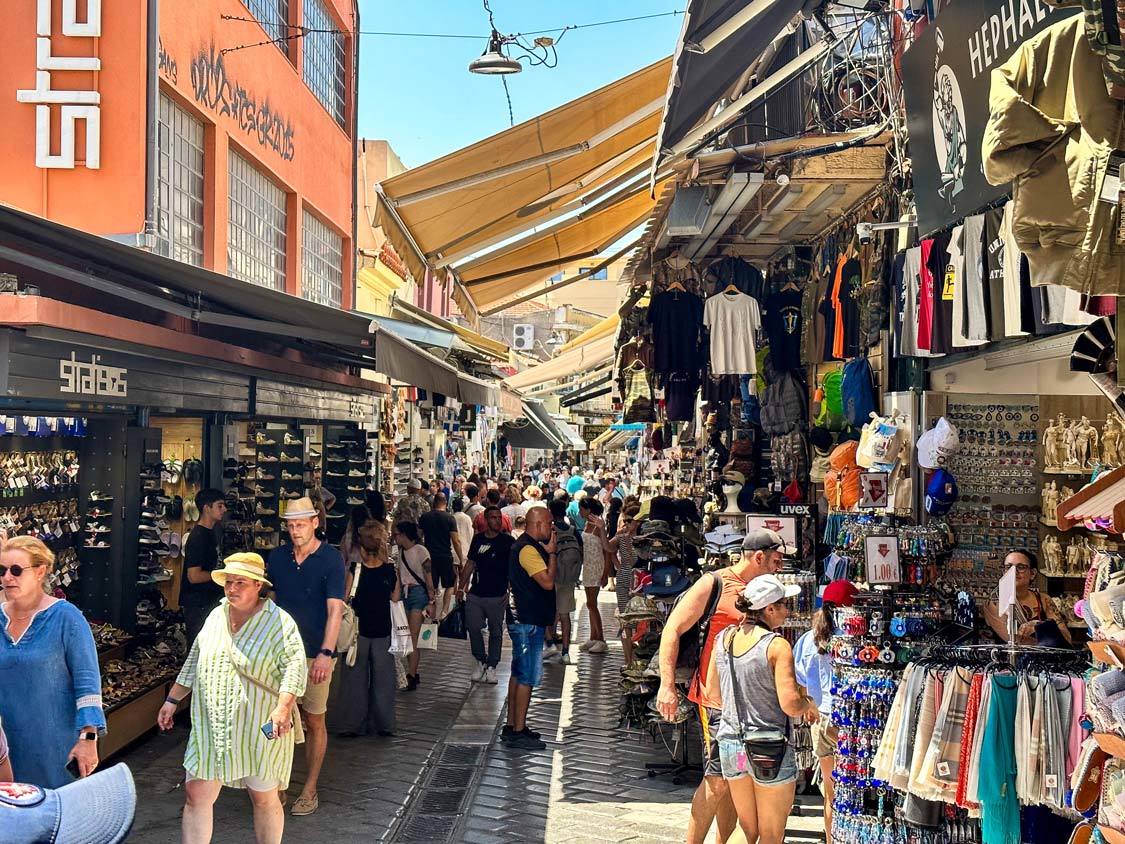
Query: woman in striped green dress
[{"x": 246, "y": 668}]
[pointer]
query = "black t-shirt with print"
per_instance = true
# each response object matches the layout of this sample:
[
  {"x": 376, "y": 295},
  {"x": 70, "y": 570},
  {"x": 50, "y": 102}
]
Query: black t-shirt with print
[
  {"x": 490, "y": 564},
  {"x": 941, "y": 336},
  {"x": 850, "y": 288},
  {"x": 782, "y": 323}
]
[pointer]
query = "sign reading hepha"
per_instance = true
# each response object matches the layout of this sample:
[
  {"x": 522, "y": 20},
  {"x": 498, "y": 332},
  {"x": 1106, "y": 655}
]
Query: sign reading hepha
[{"x": 73, "y": 105}]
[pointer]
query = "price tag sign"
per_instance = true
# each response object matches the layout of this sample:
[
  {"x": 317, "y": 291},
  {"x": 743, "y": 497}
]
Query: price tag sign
[{"x": 882, "y": 561}]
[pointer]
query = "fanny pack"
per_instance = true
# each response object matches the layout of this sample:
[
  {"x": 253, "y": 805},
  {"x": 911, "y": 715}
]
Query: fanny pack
[{"x": 765, "y": 750}]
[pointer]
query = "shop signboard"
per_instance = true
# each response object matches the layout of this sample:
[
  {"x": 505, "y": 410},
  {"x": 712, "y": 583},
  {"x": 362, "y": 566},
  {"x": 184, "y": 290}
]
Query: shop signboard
[
  {"x": 881, "y": 560},
  {"x": 946, "y": 77},
  {"x": 592, "y": 432},
  {"x": 784, "y": 526}
]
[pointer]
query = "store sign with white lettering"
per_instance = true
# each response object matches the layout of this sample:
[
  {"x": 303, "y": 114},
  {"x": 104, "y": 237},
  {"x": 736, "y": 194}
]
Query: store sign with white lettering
[
  {"x": 92, "y": 379},
  {"x": 74, "y": 105},
  {"x": 946, "y": 79}
]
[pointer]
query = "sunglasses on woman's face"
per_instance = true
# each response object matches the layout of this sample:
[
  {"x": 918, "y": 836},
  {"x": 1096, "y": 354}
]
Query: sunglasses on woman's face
[{"x": 17, "y": 569}]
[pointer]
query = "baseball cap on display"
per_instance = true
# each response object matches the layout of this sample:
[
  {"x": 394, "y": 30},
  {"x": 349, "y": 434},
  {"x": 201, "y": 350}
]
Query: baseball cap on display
[
  {"x": 761, "y": 539},
  {"x": 938, "y": 444},
  {"x": 941, "y": 493},
  {"x": 96, "y": 810},
  {"x": 766, "y": 589}
]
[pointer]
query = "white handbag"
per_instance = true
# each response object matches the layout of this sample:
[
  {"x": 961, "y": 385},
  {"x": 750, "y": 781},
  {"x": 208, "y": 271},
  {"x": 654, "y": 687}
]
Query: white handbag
[
  {"x": 401, "y": 643},
  {"x": 348, "y": 640}
]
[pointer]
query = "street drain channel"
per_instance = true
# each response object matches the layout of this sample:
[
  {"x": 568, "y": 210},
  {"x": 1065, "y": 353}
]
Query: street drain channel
[{"x": 434, "y": 814}]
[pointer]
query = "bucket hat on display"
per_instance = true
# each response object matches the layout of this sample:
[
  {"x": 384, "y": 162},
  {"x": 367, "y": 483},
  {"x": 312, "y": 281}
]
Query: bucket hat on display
[{"x": 666, "y": 582}]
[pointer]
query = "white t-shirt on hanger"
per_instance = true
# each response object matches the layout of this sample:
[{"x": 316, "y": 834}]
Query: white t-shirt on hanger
[{"x": 733, "y": 320}]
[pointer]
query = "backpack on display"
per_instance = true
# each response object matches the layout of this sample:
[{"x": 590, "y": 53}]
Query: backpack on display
[
  {"x": 858, "y": 391},
  {"x": 568, "y": 554},
  {"x": 831, "y": 414},
  {"x": 841, "y": 482},
  {"x": 784, "y": 405}
]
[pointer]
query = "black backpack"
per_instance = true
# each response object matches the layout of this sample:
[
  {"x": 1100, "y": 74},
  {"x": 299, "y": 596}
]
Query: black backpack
[
  {"x": 784, "y": 405},
  {"x": 692, "y": 639}
]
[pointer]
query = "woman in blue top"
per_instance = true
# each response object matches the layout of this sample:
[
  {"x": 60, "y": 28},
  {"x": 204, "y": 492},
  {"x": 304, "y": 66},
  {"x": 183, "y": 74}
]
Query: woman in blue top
[
  {"x": 813, "y": 666},
  {"x": 50, "y": 685}
]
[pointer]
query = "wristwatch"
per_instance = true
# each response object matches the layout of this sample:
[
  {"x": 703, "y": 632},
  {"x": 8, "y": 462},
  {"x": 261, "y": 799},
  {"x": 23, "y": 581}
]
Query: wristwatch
[
  {"x": 326, "y": 652},
  {"x": 90, "y": 736}
]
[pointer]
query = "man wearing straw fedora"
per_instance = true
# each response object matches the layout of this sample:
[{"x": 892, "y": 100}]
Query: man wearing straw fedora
[{"x": 308, "y": 580}]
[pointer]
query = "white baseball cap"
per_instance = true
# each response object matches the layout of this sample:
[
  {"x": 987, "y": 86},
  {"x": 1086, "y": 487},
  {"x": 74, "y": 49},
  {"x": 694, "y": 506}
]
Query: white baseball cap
[
  {"x": 766, "y": 589},
  {"x": 938, "y": 444}
]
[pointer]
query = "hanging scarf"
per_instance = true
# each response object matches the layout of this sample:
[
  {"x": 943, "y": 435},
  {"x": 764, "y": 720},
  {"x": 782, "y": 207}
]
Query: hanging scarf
[
  {"x": 937, "y": 779},
  {"x": 1000, "y": 811},
  {"x": 968, "y": 733}
]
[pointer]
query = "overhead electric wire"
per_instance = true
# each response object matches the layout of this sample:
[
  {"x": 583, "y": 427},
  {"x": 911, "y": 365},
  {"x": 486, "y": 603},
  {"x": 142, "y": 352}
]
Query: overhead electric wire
[{"x": 304, "y": 30}]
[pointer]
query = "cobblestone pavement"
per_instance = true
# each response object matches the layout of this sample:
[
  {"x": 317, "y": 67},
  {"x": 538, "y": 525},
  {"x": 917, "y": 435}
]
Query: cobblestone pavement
[{"x": 445, "y": 777}]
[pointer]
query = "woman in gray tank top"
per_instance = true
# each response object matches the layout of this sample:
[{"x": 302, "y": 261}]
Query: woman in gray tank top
[{"x": 753, "y": 668}]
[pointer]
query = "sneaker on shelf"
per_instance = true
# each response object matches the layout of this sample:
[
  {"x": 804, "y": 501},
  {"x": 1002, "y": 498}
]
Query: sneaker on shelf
[
  {"x": 246, "y": 451},
  {"x": 261, "y": 528},
  {"x": 289, "y": 439},
  {"x": 478, "y": 673},
  {"x": 267, "y": 458},
  {"x": 98, "y": 514},
  {"x": 264, "y": 543},
  {"x": 289, "y": 476},
  {"x": 261, "y": 438},
  {"x": 292, "y": 495},
  {"x": 353, "y": 501},
  {"x": 285, "y": 458},
  {"x": 313, "y": 454},
  {"x": 355, "y": 473},
  {"x": 265, "y": 476},
  {"x": 335, "y": 474},
  {"x": 264, "y": 511},
  {"x": 334, "y": 446},
  {"x": 490, "y": 676}
]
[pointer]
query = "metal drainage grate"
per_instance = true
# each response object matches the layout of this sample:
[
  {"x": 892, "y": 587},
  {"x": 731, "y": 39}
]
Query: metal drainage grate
[
  {"x": 426, "y": 830},
  {"x": 441, "y": 801},
  {"x": 461, "y": 754},
  {"x": 451, "y": 778}
]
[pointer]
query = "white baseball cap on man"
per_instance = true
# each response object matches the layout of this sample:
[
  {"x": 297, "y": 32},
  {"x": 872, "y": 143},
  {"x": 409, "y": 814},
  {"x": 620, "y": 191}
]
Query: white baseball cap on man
[{"x": 766, "y": 589}]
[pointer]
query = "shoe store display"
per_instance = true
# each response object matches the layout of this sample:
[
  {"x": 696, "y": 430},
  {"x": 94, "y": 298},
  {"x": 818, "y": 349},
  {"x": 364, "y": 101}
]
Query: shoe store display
[
  {"x": 259, "y": 510},
  {"x": 289, "y": 439}
]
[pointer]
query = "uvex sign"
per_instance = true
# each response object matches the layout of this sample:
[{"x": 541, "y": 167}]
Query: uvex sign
[{"x": 73, "y": 105}]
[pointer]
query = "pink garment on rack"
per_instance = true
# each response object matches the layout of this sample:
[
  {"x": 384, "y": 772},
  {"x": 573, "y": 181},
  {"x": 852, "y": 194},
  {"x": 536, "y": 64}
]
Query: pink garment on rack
[
  {"x": 1076, "y": 735},
  {"x": 972, "y": 713}
]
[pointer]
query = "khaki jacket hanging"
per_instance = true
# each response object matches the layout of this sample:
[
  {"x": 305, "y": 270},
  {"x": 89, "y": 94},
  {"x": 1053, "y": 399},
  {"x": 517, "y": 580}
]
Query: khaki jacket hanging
[{"x": 1051, "y": 129}]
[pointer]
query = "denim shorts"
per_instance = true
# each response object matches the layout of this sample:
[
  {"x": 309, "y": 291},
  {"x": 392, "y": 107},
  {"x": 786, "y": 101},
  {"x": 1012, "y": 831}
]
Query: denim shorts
[
  {"x": 527, "y": 653},
  {"x": 732, "y": 757},
  {"x": 416, "y": 598}
]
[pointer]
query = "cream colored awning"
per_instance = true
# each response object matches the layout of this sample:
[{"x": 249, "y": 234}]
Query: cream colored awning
[
  {"x": 497, "y": 277},
  {"x": 581, "y": 359},
  {"x": 503, "y": 185},
  {"x": 605, "y": 328}
]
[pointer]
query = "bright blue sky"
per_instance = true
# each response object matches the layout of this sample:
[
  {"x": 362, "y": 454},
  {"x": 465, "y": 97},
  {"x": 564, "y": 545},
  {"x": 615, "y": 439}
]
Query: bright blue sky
[{"x": 419, "y": 94}]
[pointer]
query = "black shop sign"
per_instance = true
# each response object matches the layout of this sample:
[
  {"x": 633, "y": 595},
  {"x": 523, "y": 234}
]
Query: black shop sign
[{"x": 946, "y": 78}]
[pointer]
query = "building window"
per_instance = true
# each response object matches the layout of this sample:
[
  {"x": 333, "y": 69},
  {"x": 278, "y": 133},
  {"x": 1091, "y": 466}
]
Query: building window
[
  {"x": 256, "y": 242},
  {"x": 324, "y": 67},
  {"x": 179, "y": 184},
  {"x": 556, "y": 277},
  {"x": 273, "y": 15},
  {"x": 600, "y": 275},
  {"x": 322, "y": 263}
]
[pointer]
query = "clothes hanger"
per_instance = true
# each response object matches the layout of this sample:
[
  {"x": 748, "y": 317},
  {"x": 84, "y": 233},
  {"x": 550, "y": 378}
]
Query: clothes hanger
[
  {"x": 731, "y": 288},
  {"x": 675, "y": 285},
  {"x": 789, "y": 285}
]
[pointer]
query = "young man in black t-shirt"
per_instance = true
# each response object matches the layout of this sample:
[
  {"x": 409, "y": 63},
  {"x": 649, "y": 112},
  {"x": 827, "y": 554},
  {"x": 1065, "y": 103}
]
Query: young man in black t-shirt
[
  {"x": 487, "y": 570},
  {"x": 439, "y": 532},
  {"x": 198, "y": 593}
]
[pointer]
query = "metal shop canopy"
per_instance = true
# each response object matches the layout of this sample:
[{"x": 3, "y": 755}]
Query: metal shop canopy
[
  {"x": 478, "y": 342},
  {"x": 576, "y": 360},
  {"x": 535, "y": 429},
  {"x": 604, "y": 328},
  {"x": 720, "y": 40},
  {"x": 574, "y": 440},
  {"x": 531, "y": 175}
]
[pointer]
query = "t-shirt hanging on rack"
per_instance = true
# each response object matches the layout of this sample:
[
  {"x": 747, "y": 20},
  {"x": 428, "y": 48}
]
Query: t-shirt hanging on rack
[
  {"x": 677, "y": 324},
  {"x": 782, "y": 322},
  {"x": 846, "y": 341},
  {"x": 926, "y": 298},
  {"x": 993, "y": 246},
  {"x": 972, "y": 289},
  {"x": 1017, "y": 321},
  {"x": 733, "y": 319},
  {"x": 945, "y": 278}
]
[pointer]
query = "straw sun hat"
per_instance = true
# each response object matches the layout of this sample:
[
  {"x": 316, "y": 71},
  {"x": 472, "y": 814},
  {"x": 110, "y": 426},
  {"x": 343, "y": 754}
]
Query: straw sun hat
[{"x": 246, "y": 564}]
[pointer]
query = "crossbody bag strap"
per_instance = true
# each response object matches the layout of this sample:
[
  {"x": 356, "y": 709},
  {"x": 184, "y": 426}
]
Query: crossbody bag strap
[
  {"x": 355, "y": 581},
  {"x": 421, "y": 581},
  {"x": 729, "y": 646}
]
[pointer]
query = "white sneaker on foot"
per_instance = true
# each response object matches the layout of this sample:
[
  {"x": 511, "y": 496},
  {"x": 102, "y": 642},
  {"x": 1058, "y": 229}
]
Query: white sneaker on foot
[
  {"x": 550, "y": 651},
  {"x": 598, "y": 647},
  {"x": 490, "y": 675},
  {"x": 565, "y": 659},
  {"x": 478, "y": 673}
]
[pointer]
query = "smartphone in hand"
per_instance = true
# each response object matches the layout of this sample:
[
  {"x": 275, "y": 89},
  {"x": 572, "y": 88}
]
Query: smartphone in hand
[
  {"x": 267, "y": 730},
  {"x": 72, "y": 767}
]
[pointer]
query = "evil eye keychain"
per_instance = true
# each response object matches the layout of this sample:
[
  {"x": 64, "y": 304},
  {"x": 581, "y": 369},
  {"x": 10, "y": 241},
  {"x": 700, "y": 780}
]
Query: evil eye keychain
[
  {"x": 887, "y": 655},
  {"x": 898, "y": 626},
  {"x": 868, "y": 654}
]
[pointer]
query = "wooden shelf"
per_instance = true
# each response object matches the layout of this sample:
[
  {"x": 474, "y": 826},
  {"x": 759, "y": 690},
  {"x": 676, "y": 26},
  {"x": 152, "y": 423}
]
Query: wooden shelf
[
  {"x": 132, "y": 719},
  {"x": 1074, "y": 473}
]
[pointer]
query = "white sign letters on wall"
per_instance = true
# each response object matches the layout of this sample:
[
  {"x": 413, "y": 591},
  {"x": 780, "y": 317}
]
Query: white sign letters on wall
[{"x": 73, "y": 105}]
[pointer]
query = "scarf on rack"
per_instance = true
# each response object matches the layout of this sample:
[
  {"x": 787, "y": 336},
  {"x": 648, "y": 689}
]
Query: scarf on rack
[
  {"x": 1000, "y": 811},
  {"x": 941, "y": 764},
  {"x": 968, "y": 734},
  {"x": 927, "y": 718},
  {"x": 1076, "y": 734},
  {"x": 883, "y": 763},
  {"x": 907, "y": 731},
  {"x": 1027, "y": 731},
  {"x": 1052, "y": 744}
]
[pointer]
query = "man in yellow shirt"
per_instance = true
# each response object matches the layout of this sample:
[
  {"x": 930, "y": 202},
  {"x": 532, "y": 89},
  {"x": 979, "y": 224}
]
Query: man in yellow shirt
[{"x": 532, "y": 568}]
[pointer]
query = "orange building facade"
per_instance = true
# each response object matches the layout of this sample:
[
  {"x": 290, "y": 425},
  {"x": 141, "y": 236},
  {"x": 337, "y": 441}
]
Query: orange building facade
[{"x": 178, "y": 127}]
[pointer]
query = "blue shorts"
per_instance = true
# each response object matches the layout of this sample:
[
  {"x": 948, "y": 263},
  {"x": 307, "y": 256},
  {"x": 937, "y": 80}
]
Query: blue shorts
[
  {"x": 527, "y": 653},
  {"x": 735, "y": 765},
  {"x": 417, "y": 598}
]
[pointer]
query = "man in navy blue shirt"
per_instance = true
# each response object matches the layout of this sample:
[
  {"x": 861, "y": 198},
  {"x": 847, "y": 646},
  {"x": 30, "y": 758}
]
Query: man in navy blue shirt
[{"x": 308, "y": 581}]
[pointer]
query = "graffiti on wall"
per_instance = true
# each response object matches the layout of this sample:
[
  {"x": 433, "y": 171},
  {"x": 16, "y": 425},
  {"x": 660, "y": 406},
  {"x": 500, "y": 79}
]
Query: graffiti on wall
[
  {"x": 214, "y": 88},
  {"x": 166, "y": 64}
]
